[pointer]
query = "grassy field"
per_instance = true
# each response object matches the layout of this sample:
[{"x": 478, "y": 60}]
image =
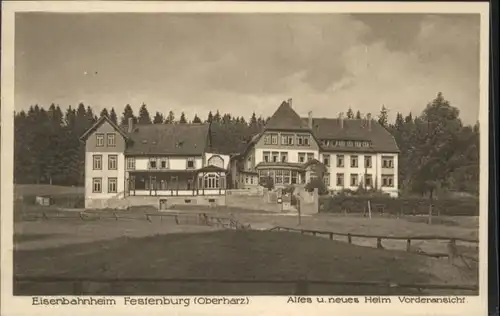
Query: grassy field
[
  {"x": 135, "y": 247},
  {"x": 45, "y": 189},
  {"x": 223, "y": 255}
]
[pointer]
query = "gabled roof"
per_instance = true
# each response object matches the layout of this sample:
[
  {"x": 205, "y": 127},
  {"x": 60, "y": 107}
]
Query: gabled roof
[
  {"x": 354, "y": 129},
  {"x": 99, "y": 122},
  {"x": 285, "y": 118},
  {"x": 168, "y": 139}
]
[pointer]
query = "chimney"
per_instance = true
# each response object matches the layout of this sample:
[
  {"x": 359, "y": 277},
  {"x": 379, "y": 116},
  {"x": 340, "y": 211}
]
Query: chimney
[
  {"x": 310, "y": 121},
  {"x": 130, "y": 124},
  {"x": 289, "y": 101},
  {"x": 341, "y": 120},
  {"x": 369, "y": 121}
]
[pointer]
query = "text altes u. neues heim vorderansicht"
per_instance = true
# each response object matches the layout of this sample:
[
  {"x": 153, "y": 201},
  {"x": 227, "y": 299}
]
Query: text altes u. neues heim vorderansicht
[{"x": 232, "y": 300}]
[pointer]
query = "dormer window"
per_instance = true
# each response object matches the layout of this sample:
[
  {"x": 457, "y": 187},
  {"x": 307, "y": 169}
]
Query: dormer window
[
  {"x": 274, "y": 139},
  {"x": 153, "y": 163},
  {"x": 190, "y": 163},
  {"x": 164, "y": 163}
]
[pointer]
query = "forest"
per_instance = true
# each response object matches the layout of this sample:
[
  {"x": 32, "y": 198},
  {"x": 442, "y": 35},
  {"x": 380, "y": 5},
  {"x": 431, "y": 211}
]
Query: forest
[{"x": 439, "y": 153}]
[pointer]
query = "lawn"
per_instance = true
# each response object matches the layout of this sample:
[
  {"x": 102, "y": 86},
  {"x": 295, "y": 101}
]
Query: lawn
[
  {"x": 45, "y": 189},
  {"x": 225, "y": 255}
]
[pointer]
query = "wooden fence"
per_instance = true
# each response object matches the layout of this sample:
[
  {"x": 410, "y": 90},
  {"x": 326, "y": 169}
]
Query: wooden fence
[
  {"x": 408, "y": 239},
  {"x": 80, "y": 286}
]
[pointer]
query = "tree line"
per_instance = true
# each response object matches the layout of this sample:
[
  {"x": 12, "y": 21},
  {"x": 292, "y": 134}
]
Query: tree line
[{"x": 438, "y": 151}]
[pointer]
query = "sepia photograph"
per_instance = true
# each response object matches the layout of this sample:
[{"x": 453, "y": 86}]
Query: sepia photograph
[{"x": 246, "y": 153}]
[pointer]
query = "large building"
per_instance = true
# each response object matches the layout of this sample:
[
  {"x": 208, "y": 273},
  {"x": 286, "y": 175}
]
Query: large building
[
  {"x": 356, "y": 152},
  {"x": 178, "y": 160},
  {"x": 155, "y": 160}
]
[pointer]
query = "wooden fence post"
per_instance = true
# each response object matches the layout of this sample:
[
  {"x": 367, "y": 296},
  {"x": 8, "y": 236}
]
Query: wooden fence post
[
  {"x": 379, "y": 243},
  {"x": 176, "y": 220},
  {"x": 349, "y": 238},
  {"x": 408, "y": 245},
  {"x": 331, "y": 236}
]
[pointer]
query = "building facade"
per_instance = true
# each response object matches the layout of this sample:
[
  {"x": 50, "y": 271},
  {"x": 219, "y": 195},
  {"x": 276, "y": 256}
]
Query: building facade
[
  {"x": 356, "y": 153},
  {"x": 159, "y": 160}
]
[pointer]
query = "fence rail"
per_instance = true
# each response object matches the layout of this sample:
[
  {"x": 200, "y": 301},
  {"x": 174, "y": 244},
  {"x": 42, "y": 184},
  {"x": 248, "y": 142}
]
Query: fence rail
[
  {"x": 301, "y": 286},
  {"x": 379, "y": 238}
]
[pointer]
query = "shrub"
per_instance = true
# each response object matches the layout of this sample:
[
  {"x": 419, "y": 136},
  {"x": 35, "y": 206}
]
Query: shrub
[
  {"x": 316, "y": 183},
  {"x": 267, "y": 182}
]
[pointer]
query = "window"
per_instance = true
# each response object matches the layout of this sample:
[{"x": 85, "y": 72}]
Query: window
[
  {"x": 190, "y": 163},
  {"x": 349, "y": 143},
  {"x": 111, "y": 139},
  {"x": 340, "y": 161},
  {"x": 274, "y": 139},
  {"x": 212, "y": 181},
  {"x": 341, "y": 143},
  {"x": 263, "y": 174},
  {"x": 152, "y": 163},
  {"x": 217, "y": 161},
  {"x": 130, "y": 163},
  {"x": 302, "y": 157},
  {"x": 97, "y": 162},
  {"x": 279, "y": 177},
  {"x": 368, "y": 180},
  {"x": 326, "y": 179},
  {"x": 96, "y": 185},
  {"x": 326, "y": 160},
  {"x": 368, "y": 161},
  {"x": 340, "y": 179},
  {"x": 387, "y": 162},
  {"x": 306, "y": 140},
  {"x": 387, "y": 180},
  {"x": 163, "y": 184},
  {"x": 275, "y": 156},
  {"x": 286, "y": 140},
  {"x": 354, "y": 161},
  {"x": 366, "y": 144},
  {"x": 164, "y": 163},
  {"x": 112, "y": 185},
  {"x": 247, "y": 180},
  {"x": 284, "y": 157},
  {"x": 357, "y": 144},
  {"x": 310, "y": 156},
  {"x": 294, "y": 177},
  {"x": 286, "y": 176},
  {"x": 354, "y": 180},
  {"x": 112, "y": 162},
  {"x": 267, "y": 139},
  {"x": 266, "y": 155},
  {"x": 99, "y": 140},
  {"x": 153, "y": 183},
  {"x": 300, "y": 140}
]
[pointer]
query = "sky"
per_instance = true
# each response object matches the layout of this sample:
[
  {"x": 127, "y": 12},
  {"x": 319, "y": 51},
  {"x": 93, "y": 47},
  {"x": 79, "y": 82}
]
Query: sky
[{"x": 244, "y": 63}]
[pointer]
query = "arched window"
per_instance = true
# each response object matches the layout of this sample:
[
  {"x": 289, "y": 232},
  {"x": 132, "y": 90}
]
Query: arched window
[{"x": 216, "y": 161}]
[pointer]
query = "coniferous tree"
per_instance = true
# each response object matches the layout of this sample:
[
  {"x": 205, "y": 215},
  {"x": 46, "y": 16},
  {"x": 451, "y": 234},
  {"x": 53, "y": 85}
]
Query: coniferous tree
[
  {"x": 196, "y": 119},
  {"x": 217, "y": 116},
  {"x": 358, "y": 115},
  {"x": 170, "y": 118},
  {"x": 182, "y": 119},
  {"x": 128, "y": 113},
  {"x": 113, "y": 116},
  {"x": 383, "y": 116},
  {"x": 350, "y": 113},
  {"x": 210, "y": 117},
  {"x": 144, "y": 117},
  {"x": 104, "y": 112},
  {"x": 158, "y": 119}
]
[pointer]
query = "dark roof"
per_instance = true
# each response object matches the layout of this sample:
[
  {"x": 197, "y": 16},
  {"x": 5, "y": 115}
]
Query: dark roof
[
  {"x": 354, "y": 129},
  {"x": 168, "y": 139},
  {"x": 285, "y": 118},
  {"x": 226, "y": 141},
  {"x": 99, "y": 122}
]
